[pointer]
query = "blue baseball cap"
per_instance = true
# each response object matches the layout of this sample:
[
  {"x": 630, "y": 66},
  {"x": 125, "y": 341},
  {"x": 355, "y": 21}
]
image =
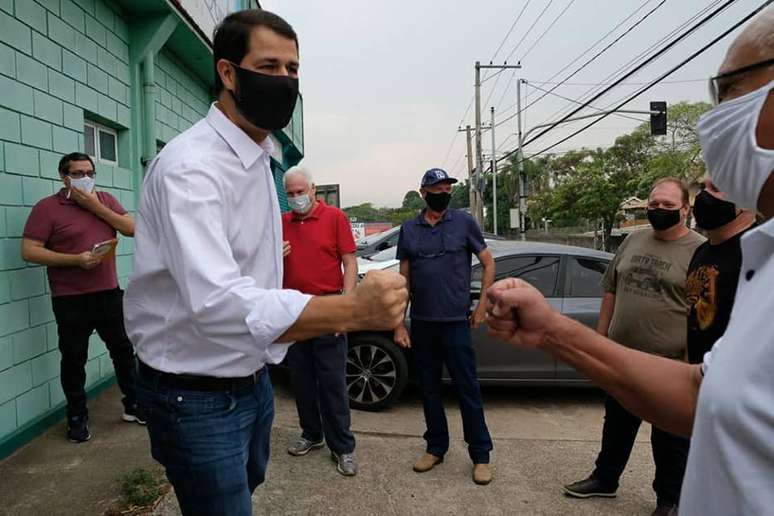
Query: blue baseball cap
[{"x": 435, "y": 176}]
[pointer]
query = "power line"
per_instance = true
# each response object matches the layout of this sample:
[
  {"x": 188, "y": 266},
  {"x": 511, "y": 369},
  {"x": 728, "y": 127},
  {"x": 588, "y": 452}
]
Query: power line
[
  {"x": 642, "y": 54},
  {"x": 594, "y": 58},
  {"x": 660, "y": 78},
  {"x": 636, "y": 69},
  {"x": 574, "y": 101}
]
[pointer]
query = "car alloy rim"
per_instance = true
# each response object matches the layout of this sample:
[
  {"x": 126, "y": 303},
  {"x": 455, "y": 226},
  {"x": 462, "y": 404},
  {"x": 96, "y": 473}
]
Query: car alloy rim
[{"x": 371, "y": 374}]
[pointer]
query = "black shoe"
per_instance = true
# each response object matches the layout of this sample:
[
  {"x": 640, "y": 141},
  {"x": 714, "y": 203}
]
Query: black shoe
[
  {"x": 665, "y": 509},
  {"x": 590, "y": 488},
  {"x": 133, "y": 414},
  {"x": 78, "y": 429}
]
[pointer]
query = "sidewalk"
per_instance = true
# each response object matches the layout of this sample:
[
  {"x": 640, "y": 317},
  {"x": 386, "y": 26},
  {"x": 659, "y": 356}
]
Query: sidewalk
[{"x": 53, "y": 476}]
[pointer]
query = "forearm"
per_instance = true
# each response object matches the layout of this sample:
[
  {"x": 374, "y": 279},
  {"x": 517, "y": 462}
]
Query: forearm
[
  {"x": 121, "y": 223},
  {"x": 659, "y": 390},
  {"x": 50, "y": 258},
  {"x": 350, "y": 274},
  {"x": 487, "y": 280},
  {"x": 606, "y": 314},
  {"x": 323, "y": 315}
]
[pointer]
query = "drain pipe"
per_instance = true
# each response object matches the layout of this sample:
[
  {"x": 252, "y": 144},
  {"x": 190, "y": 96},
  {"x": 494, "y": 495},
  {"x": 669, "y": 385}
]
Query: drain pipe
[{"x": 148, "y": 108}]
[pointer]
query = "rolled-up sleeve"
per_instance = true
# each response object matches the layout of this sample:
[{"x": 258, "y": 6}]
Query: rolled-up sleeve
[{"x": 222, "y": 302}]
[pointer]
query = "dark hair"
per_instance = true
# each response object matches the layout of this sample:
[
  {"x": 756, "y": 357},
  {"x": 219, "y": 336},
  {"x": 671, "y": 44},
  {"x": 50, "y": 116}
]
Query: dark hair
[
  {"x": 232, "y": 36},
  {"x": 64, "y": 163},
  {"x": 677, "y": 182}
]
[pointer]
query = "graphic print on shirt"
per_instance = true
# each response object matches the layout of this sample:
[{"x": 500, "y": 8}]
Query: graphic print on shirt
[
  {"x": 644, "y": 276},
  {"x": 702, "y": 294}
]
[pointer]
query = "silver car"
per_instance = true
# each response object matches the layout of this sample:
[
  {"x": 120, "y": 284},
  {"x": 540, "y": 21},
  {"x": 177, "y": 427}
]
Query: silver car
[{"x": 378, "y": 370}]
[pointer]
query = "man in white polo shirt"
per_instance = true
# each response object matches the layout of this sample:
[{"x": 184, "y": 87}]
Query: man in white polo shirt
[{"x": 727, "y": 403}]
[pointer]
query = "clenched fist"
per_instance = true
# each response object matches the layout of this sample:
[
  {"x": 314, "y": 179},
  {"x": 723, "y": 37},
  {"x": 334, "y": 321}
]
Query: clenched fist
[
  {"x": 518, "y": 313},
  {"x": 380, "y": 301}
]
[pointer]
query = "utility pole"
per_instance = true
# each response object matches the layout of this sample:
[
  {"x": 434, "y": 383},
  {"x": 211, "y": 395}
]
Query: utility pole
[
  {"x": 522, "y": 206},
  {"x": 479, "y": 158},
  {"x": 494, "y": 174},
  {"x": 473, "y": 201}
]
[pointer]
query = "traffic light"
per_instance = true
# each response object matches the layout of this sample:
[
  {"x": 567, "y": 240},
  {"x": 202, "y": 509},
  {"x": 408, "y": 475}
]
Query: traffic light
[{"x": 658, "y": 118}]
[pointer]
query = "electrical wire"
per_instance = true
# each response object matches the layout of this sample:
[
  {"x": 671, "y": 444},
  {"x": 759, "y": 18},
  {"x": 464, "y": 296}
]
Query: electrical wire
[
  {"x": 657, "y": 80},
  {"x": 574, "y": 101}
]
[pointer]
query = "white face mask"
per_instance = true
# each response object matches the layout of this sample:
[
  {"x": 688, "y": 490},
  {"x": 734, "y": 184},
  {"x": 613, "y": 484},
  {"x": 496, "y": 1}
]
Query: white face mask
[
  {"x": 300, "y": 203},
  {"x": 84, "y": 184},
  {"x": 735, "y": 162}
]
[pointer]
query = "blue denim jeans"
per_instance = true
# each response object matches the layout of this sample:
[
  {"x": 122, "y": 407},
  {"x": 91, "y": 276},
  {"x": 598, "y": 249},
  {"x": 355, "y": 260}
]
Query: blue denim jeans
[
  {"x": 318, "y": 368},
  {"x": 214, "y": 445},
  {"x": 435, "y": 344}
]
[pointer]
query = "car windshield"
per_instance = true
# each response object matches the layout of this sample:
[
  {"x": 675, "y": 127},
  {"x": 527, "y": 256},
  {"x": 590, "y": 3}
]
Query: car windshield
[
  {"x": 388, "y": 254},
  {"x": 371, "y": 239}
]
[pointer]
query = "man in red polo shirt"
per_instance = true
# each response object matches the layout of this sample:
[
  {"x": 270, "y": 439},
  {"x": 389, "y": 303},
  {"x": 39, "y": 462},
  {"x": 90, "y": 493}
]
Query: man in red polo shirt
[
  {"x": 318, "y": 241},
  {"x": 61, "y": 233}
]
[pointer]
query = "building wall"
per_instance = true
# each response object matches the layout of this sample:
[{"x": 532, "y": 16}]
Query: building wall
[{"x": 62, "y": 61}]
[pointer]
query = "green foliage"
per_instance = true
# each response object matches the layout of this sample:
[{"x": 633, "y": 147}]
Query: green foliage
[
  {"x": 413, "y": 201},
  {"x": 140, "y": 488}
]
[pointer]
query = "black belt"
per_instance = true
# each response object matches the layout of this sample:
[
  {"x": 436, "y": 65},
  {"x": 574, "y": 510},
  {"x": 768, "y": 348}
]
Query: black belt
[{"x": 188, "y": 382}]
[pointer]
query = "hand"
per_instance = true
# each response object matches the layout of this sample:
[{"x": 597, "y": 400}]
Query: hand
[
  {"x": 478, "y": 317},
  {"x": 285, "y": 248},
  {"x": 518, "y": 313},
  {"x": 87, "y": 261},
  {"x": 88, "y": 201},
  {"x": 402, "y": 337},
  {"x": 380, "y": 301}
]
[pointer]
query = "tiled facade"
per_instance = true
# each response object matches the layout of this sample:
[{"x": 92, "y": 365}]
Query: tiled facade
[{"x": 61, "y": 62}]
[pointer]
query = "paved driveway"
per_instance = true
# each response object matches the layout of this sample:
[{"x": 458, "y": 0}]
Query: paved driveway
[{"x": 543, "y": 438}]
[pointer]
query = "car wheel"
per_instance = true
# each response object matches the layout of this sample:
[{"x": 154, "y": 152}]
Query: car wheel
[{"x": 377, "y": 372}]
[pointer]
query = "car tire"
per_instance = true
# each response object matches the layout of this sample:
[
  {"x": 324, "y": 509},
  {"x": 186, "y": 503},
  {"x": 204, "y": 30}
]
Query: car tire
[{"x": 377, "y": 372}]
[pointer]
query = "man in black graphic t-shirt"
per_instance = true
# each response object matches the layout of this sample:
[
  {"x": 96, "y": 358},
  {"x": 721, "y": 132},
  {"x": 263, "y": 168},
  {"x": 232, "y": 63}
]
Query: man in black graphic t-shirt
[{"x": 714, "y": 269}]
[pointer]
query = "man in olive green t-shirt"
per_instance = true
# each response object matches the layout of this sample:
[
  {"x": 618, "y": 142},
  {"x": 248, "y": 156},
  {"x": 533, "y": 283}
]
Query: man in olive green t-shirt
[{"x": 645, "y": 308}]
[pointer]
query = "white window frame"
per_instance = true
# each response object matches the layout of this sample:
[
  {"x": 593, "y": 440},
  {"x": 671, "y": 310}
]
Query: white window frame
[{"x": 97, "y": 128}]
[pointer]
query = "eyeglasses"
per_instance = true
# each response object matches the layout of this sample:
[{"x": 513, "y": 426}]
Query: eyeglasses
[
  {"x": 79, "y": 174},
  {"x": 719, "y": 85},
  {"x": 433, "y": 253}
]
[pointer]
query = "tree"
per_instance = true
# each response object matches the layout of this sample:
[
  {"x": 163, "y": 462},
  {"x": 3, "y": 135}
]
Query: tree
[{"x": 412, "y": 200}]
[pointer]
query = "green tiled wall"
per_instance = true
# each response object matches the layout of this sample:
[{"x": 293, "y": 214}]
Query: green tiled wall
[{"x": 181, "y": 99}]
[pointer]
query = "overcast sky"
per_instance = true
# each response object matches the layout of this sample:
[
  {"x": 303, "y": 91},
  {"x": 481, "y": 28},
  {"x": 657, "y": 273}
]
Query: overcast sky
[{"x": 386, "y": 82}]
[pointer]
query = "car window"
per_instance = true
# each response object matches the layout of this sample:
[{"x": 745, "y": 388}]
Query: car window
[
  {"x": 539, "y": 271},
  {"x": 388, "y": 254},
  {"x": 585, "y": 276}
]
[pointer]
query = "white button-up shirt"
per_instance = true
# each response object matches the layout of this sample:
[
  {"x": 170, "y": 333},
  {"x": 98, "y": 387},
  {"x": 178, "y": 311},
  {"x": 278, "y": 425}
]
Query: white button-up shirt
[
  {"x": 205, "y": 297},
  {"x": 731, "y": 463}
]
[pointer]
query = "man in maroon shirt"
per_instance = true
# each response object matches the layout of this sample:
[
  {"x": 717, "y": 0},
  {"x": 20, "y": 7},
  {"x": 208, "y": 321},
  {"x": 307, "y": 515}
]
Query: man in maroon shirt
[
  {"x": 61, "y": 233},
  {"x": 318, "y": 241}
]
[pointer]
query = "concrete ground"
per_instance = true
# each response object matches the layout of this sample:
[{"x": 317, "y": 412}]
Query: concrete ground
[{"x": 543, "y": 438}]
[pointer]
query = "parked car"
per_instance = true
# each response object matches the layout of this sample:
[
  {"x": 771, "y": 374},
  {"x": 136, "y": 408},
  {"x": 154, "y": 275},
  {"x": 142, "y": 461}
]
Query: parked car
[
  {"x": 378, "y": 370},
  {"x": 372, "y": 244}
]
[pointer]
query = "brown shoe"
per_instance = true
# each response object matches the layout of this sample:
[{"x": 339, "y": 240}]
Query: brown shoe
[
  {"x": 427, "y": 462},
  {"x": 482, "y": 474}
]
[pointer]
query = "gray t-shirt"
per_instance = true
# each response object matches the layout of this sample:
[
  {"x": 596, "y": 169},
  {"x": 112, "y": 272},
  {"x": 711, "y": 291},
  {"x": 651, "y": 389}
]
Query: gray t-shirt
[{"x": 648, "y": 277}]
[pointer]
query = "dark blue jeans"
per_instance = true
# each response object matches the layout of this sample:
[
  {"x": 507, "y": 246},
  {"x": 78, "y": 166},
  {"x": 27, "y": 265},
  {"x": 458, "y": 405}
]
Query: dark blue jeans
[
  {"x": 214, "y": 445},
  {"x": 670, "y": 452},
  {"x": 318, "y": 370},
  {"x": 436, "y": 343}
]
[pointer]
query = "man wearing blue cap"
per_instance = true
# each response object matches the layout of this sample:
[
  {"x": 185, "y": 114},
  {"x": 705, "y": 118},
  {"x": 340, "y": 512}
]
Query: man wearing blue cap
[{"x": 435, "y": 251}]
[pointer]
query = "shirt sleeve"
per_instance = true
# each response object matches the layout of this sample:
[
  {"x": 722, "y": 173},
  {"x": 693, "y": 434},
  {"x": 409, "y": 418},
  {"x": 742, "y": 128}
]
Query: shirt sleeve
[
  {"x": 610, "y": 279},
  {"x": 401, "y": 253},
  {"x": 344, "y": 237},
  {"x": 221, "y": 300},
  {"x": 708, "y": 356},
  {"x": 476, "y": 242},
  {"x": 39, "y": 225},
  {"x": 112, "y": 203}
]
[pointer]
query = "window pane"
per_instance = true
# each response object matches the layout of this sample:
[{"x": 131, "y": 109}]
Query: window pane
[
  {"x": 88, "y": 140},
  {"x": 585, "y": 277},
  {"x": 539, "y": 271},
  {"x": 107, "y": 146}
]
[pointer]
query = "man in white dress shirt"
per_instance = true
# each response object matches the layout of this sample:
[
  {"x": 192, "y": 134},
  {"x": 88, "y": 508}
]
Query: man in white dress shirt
[
  {"x": 726, "y": 404},
  {"x": 204, "y": 308}
]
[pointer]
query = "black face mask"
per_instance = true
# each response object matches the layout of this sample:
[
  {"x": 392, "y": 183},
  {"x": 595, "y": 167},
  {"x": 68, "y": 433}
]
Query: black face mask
[
  {"x": 438, "y": 202},
  {"x": 662, "y": 219},
  {"x": 711, "y": 212},
  {"x": 266, "y": 101}
]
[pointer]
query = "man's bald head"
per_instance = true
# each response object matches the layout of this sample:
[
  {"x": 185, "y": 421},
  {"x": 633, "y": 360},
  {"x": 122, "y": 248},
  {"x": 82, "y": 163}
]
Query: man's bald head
[{"x": 754, "y": 44}]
